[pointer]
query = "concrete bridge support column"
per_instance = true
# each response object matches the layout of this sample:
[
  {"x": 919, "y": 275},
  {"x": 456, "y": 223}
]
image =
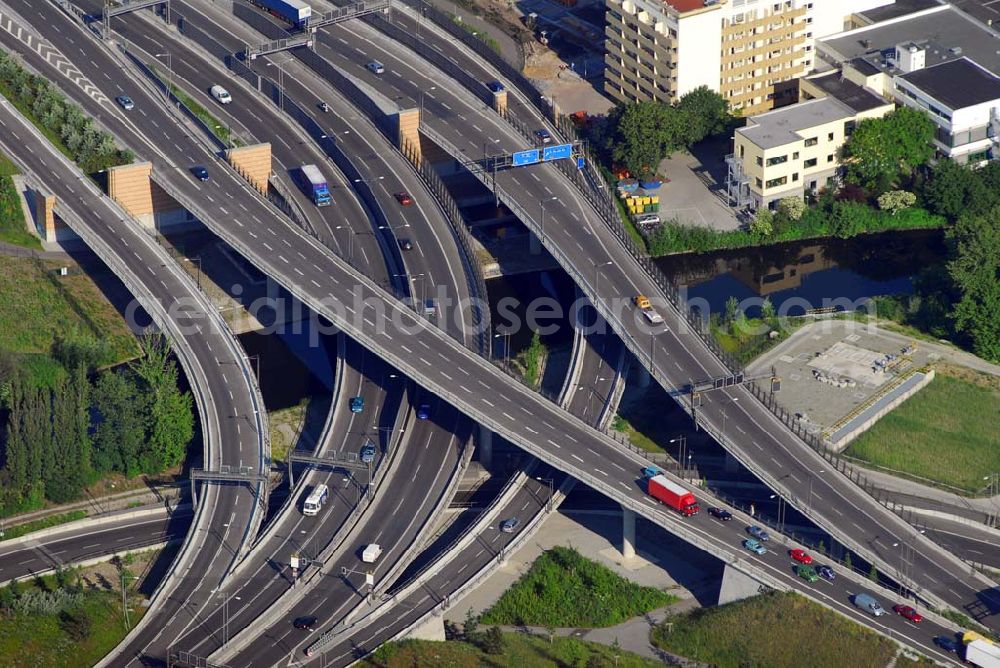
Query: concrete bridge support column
[
  {"x": 485, "y": 447},
  {"x": 642, "y": 376},
  {"x": 534, "y": 244},
  {"x": 628, "y": 534},
  {"x": 737, "y": 585}
]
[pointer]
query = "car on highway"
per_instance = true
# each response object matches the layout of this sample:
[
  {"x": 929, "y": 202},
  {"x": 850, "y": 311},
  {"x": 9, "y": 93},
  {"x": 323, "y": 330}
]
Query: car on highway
[
  {"x": 423, "y": 411},
  {"x": 720, "y": 514},
  {"x": 801, "y": 556},
  {"x": 495, "y": 86},
  {"x": 125, "y": 102},
  {"x": 304, "y": 623},
  {"x": 947, "y": 644},
  {"x": 807, "y": 573},
  {"x": 543, "y": 136},
  {"x": 357, "y": 404},
  {"x": 754, "y": 546},
  {"x": 200, "y": 173},
  {"x": 651, "y": 471},
  {"x": 324, "y": 107},
  {"x": 220, "y": 94},
  {"x": 368, "y": 452},
  {"x": 908, "y": 612},
  {"x": 509, "y": 524},
  {"x": 826, "y": 573},
  {"x": 375, "y": 67},
  {"x": 758, "y": 533},
  {"x": 403, "y": 198},
  {"x": 405, "y": 243}
]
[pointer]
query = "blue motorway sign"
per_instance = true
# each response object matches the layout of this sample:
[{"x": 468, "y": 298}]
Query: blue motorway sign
[
  {"x": 581, "y": 162},
  {"x": 557, "y": 152},
  {"x": 522, "y": 158}
]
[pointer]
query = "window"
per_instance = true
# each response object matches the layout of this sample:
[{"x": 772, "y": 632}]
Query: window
[
  {"x": 758, "y": 183},
  {"x": 742, "y": 151},
  {"x": 776, "y": 182},
  {"x": 811, "y": 162},
  {"x": 829, "y": 158},
  {"x": 777, "y": 160},
  {"x": 829, "y": 136},
  {"x": 795, "y": 176},
  {"x": 812, "y": 141},
  {"x": 795, "y": 156},
  {"x": 760, "y": 161}
]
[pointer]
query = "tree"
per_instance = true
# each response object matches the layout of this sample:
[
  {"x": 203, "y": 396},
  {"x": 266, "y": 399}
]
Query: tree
[
  {"x": 975, "y": 272},
  {"x": 120, "y": 435},
  {"x": 471, "y": 624},
  {"x": 171, "y": 419},
  {"x": 847, "y": 561},
  {"x": 873, "y": 574},
  {"x": 493, "y": 641},
  {"x": 762, "y": 223},
  {"x": 705, "y": 113},
  {"x": 644, "y": 133},
  {"x": 732, "y": 309},
  {"x": 881, "y": 150},
  {"x": 792, "y": 207},
  {"x": 767, "y": 311},
  {"x": 16, "y": 451},
  {"x": 821, "y": 548},
  {"x": 895, "y": 201}
]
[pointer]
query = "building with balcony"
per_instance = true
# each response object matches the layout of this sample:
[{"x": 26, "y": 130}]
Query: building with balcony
[
  {"x": 790, "y": 151},
  {"x": 749, "y": 51}
]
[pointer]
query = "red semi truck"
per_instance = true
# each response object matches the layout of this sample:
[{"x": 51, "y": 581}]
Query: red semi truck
[{"x": 672, "y": 494}]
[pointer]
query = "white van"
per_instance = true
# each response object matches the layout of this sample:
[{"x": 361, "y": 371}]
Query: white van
[
  {"x": 221, "y": 95},
  {"x": 371, "y": 553},
  {"x": 316, "y": 500}
]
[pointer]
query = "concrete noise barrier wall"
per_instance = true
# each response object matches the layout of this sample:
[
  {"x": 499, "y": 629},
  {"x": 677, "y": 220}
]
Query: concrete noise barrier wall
[
  {"x": 130, "y": 186},
  {"x": 253, "y": 163}
]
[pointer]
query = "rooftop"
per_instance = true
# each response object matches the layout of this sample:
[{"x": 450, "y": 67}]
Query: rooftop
[
  {"x": 957, "y": 83},
  {"x": 783, "y": 126},
  {"x": 854, "y": 96},
  {"x": 897, "y": 9},
  {"x": 945, "y": 32},
  {"x": 688, "y": 5}
]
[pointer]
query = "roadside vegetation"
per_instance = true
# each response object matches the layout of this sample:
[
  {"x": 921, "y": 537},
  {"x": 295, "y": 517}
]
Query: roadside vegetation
[
  {"x": 218, "y": 128},
  {"x": 515, "y": 649},
  {"x": 44, "y": 523},
  {"x": 62, "y": 621},
  {"x": 946, "y": 432},
  {"x": 563, "y": 588},
  {"x": 530, "y": 362},
  {"x": 285, "y": 425},
  {"x": 747, "y": 338},
  {"x": 61, "y": 121},
  {"x": 746, "y": 633},
  {"x": 12, "y": 223}
]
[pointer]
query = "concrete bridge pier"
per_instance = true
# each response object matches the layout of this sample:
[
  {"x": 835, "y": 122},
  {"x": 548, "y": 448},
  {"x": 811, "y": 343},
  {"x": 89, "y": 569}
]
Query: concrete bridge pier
[
  {"x": 534, "y": 244},
  {"x": 737, "y": 585},
  {"x": 628, "y": 534},
  {"x": 485, "y": 447}
]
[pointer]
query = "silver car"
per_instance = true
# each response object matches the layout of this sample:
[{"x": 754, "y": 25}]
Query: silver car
[
  {"x": 508, "y": 525},
  {"x": 125, "y": 102}
]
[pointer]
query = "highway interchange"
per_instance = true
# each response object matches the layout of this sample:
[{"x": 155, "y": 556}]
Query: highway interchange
[{"x": 444, "y": 367}]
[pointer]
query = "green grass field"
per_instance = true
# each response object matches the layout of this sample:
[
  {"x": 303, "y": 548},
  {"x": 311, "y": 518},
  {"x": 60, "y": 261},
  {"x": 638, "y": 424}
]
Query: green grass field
[
  {"x": 39, "y": 305},
  {"x": 45, "y": 523},
  {"x": 746, "y": 633},
  {"x": 12, "y": 225},
  {"x": 946, "y": 432},
  {"x": 599, "y": 596},
  {"x": 520, "y": 650},
  {"x": 38, "y": 641}
]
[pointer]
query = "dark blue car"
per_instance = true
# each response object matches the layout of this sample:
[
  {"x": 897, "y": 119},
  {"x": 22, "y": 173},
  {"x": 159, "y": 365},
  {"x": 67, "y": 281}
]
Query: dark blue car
[
  {"x": 947, "y": 644},
  {"x": 423, "y": 411},
  {"x": 200, "y": 173},
  {"x": 495, "y": 86}
]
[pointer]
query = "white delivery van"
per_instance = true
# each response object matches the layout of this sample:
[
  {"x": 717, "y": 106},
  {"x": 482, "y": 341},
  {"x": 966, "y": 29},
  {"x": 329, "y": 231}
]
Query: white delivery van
[
  {"x": 221, "y": 95},
  {"x": 315, "y": 501},
  {"x": 371, "y": 553}
]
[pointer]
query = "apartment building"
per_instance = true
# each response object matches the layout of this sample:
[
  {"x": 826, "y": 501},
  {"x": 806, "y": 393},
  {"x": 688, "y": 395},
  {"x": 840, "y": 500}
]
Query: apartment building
[
  {"x": 796, "y": 149},
  {"x": 750, "y": 51},
  {"x": 939, "y": 60}
]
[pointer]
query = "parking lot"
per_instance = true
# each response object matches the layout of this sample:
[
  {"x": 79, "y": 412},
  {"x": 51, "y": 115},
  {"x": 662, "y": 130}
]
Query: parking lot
[{"x": 696, "y": 192}]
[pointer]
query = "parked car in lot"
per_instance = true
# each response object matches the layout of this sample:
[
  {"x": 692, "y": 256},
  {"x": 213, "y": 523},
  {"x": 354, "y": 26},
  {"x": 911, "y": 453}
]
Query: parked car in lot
[
  {"x": 543, "y": 136},
  {"x": 754, "y": 546},
  {"x": 508, "y": 525},
  {"x": 807, "y": 573},
  {"x": 826, "y": 573},
  {"x": 357, "y": 404},
  {"x": 757, "y": 532},
  {"x": 908, "y": 612},
  {"x": 125, "y": 102},
  {"x": 720, "y": 514},
  {"x": 800, "y": 556}
]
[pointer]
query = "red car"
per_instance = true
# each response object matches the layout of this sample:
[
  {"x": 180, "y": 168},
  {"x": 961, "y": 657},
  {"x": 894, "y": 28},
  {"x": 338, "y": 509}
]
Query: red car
[
  {"x": 800, "y": 556},
  {"x": 907, "y": 612},
  {"x": 404, "y": 198}
]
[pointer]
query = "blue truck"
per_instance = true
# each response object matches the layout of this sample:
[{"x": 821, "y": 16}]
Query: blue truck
[
  {"x": 314, "y": 184},
  {"x": 295, "y": 12}
]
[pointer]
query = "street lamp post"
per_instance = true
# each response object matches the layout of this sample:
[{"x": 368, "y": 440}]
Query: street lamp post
[
  {"x": 281, "y": 84},
  {"x": 414, "y": 278},
  {"x": 196, "y": 259},
  {"x": 597, "y": 275},
  {"x": 422, "y": 99},
  {"x": 170, "y": 74},
  {"x": 681, "y": 447},
  {"x": 548, "y": 502},
  {"x": 811, "y": 476},
  {"x": 542, "y": 202},
  {"x": 506, "y": 346},
  {"x": 781, "y": 511}
]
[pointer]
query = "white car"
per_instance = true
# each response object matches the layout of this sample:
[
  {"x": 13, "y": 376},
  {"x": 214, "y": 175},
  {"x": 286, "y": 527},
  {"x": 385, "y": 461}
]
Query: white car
[
  {"x": 371, "y": 553},
  {"x": 652, "y": 316}
]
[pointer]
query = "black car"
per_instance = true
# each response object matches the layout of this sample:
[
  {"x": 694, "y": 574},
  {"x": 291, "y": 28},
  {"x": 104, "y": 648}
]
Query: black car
[
  {"x": 405, "y": 244},
  {"x": 947, "y": 644},
  {"x": 720, "y": 514},
  {"x": 304, "y": 623},
  {"x": 200, "y": 173}
]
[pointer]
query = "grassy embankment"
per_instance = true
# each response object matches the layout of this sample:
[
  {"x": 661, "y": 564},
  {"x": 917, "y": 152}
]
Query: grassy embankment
[
  {"x": 12, "y": 223},
  {"x": 599, "y": 596},
  {"x": 745, "y": 633},
  {"x": 945, "y": 432}
]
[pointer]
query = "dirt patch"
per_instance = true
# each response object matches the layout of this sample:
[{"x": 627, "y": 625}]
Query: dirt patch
[
  {"x": 106, "y": 576},
  {"x": 979, "y": 378}
]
